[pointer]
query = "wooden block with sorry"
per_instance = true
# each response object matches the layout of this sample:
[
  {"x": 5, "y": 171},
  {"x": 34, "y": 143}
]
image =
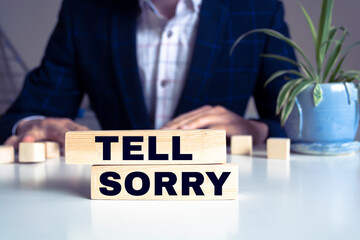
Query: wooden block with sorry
[
  {"x": 278, "y": 148},
  {"x": 7, "y": 154},
  {"x": 241, "y": 145},
  {"x": 164, "y": 182},
  {"x": 52, "y": 150},
  {"x": 146, "y": 147},
  {"x": 31, "y": 152}
]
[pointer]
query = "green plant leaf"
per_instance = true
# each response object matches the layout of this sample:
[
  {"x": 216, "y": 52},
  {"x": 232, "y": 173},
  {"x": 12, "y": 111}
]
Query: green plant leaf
[
  {"x": 349, "y": 76},
  {"x": 277, "y": 35},
  {"x": 285, "y": 93},
  {"x": 352, "y": 72},
  {"x": 280, "y": 58},
  {"x": 302, "y": 66},
  {"x": 300, "y": 87},
  {"x": 310, "y": 23},
  {"x": 337, "y": 69},
  {"x": 317, "y": 94},
  {"x": 285, "y": 113},
  {"x": 334, "y": 56},
  {"x": 308, "y": 73},
  {"x": 332, "y": 33},
  {"x": 323, "y": 30},
  {"x": 346, "y": 50},
  {"x": 280, "y": 73}
]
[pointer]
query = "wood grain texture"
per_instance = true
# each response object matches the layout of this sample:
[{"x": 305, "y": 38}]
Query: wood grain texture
[
  {"x": 229, "y": 188},
  {"x": 7, "y": 154},
  {"x": 206, "y": 147},
  {"x": 241, "y": 145},
  {"x": 52, "y": 150},
  {"x": 278, "y": 148},
  {"x": 31, "y": 152}
]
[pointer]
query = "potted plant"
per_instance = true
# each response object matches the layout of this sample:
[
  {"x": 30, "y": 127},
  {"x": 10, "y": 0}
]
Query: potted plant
[{"x": 319, "y": 103}]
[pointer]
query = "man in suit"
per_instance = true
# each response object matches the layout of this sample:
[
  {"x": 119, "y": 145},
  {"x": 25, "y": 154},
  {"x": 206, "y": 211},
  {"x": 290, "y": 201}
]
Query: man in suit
[{"x": 154, "y": 64}]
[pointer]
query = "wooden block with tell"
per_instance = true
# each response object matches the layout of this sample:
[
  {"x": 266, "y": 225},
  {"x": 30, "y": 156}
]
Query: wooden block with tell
[
  {"x": 7, "y": 154},
  {"x": 241, "y": 145},
  {"x": 278, "y": 148},
  {"x": 146, "y": 147},
  {"x": 31, "y": 152},
  {"x": 52, "y": 150},
  {"x": 164, "y": 182}
]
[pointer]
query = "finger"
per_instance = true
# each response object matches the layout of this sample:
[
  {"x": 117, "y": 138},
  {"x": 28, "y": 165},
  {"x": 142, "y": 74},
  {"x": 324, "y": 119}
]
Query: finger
[
  {"x": 193, "y": 113},
  {"x": 177, "y": 121},
  {"x": 12, "y": 141},
  {"x": 61, "y": 138},
  {"x": 57, "y": 128},
  {"x": 60, "y": 132},
  {"x": 28, "y": 138},
  {"x": 217, "y": 110},
  {"x": 206, "y": 121},
  {"x": 182, "y": 119},
  {"x": 73, "y": 126},
  {"x": 36, "y": 134},
  {"x": 81, "y": 127},
  {"x": 15, "y": 140},
  {"x": 62, "y": 151},
  {"x": 57, "y": 134}
]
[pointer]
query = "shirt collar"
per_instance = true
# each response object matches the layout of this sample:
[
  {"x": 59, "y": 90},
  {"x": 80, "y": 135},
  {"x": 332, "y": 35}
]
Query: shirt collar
[
  {"x": 196, "y": 5},
  {"x": 192, "y": 4}
]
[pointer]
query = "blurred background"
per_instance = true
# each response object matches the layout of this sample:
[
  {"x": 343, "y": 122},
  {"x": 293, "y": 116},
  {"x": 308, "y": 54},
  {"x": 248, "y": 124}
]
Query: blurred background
[{"x": 26, "y": 27}]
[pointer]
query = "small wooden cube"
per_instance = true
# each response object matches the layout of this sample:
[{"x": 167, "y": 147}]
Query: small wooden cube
[
  {"x": 52, "y": 150},
  {"x": 7, "y": 154},
  {"x": 31, "y": 152},
  {"x": 278, "y": 148},
  {"x": 241, "y": 145}
]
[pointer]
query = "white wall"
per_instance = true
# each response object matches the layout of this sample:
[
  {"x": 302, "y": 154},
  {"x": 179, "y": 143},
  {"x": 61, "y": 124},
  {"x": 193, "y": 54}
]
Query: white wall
[
  {"x": 346, "y": 13},
  {"x": 28, "y": 24}
]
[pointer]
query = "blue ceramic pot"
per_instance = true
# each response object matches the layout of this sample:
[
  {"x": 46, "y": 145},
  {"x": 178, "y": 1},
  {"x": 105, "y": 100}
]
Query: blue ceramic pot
[{"x": 334, "y": 120}]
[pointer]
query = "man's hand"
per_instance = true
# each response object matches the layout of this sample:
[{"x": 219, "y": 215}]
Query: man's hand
[
  {"x": 48, "y": 129},
  {"x": 220, "y": 118}
]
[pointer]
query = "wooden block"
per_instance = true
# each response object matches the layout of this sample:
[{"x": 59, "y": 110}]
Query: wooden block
[
  {"x": 52, "y": 150},
  {"x": 164, "y": 182},
  {"x": 7, "y": 154},
  {"x": 146, "y": 147},
  {"x": 278, "y": 148},
  {"x": 31, "y": 152},
  {"x": 241, "y": 145}
]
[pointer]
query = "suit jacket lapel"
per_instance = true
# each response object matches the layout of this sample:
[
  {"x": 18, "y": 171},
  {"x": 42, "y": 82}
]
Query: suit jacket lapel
[
  {"x": 123, "y": 44},
  {"x": 212, "y": 22}
]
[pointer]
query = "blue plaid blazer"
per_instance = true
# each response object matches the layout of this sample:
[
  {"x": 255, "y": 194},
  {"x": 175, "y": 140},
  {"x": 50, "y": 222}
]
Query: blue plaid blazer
[{"x": 93, "y": 50}]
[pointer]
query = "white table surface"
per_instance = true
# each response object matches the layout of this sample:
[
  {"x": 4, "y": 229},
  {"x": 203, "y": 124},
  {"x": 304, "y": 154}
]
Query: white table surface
[{"x": 305, "y": 198}]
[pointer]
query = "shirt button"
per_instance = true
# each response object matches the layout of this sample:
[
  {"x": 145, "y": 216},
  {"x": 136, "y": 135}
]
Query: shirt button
[
  {"x": 169, "y": 33},
  {"x": 164, "y": 83}
]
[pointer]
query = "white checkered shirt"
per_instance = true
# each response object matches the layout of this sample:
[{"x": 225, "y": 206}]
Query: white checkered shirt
[{"x": 164, "y": 51}]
